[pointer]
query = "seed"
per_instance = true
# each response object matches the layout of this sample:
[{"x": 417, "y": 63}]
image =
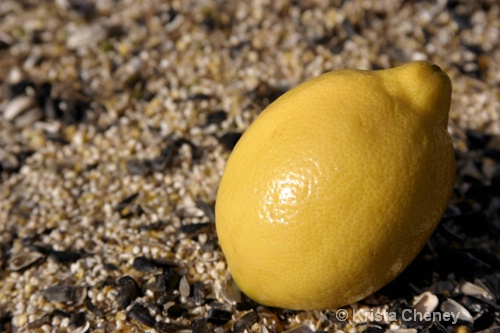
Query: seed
[
  {"x": 128, "y": 290},
  {"x": 219, "y": 317},
  {"x": 24, "y": 261},
  {"x": 141, "y": 314}
]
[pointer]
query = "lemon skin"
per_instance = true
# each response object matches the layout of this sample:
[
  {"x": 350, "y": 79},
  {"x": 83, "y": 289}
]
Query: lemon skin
[{"x": 337, "y": 185}]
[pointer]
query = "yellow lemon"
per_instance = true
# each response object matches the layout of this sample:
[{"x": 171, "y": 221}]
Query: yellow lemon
[{"x": 337, "y": 185}]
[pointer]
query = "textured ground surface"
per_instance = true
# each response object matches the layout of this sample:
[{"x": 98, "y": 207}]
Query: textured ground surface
[{"x": 116, "y": 118}]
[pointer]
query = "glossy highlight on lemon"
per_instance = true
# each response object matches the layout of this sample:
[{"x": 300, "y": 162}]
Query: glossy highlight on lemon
[{"x": 337, "y": 185}]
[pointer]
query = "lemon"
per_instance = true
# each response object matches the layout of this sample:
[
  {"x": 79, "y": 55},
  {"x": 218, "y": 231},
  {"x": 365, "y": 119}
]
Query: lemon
[{"x": 337, "y": 185}]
